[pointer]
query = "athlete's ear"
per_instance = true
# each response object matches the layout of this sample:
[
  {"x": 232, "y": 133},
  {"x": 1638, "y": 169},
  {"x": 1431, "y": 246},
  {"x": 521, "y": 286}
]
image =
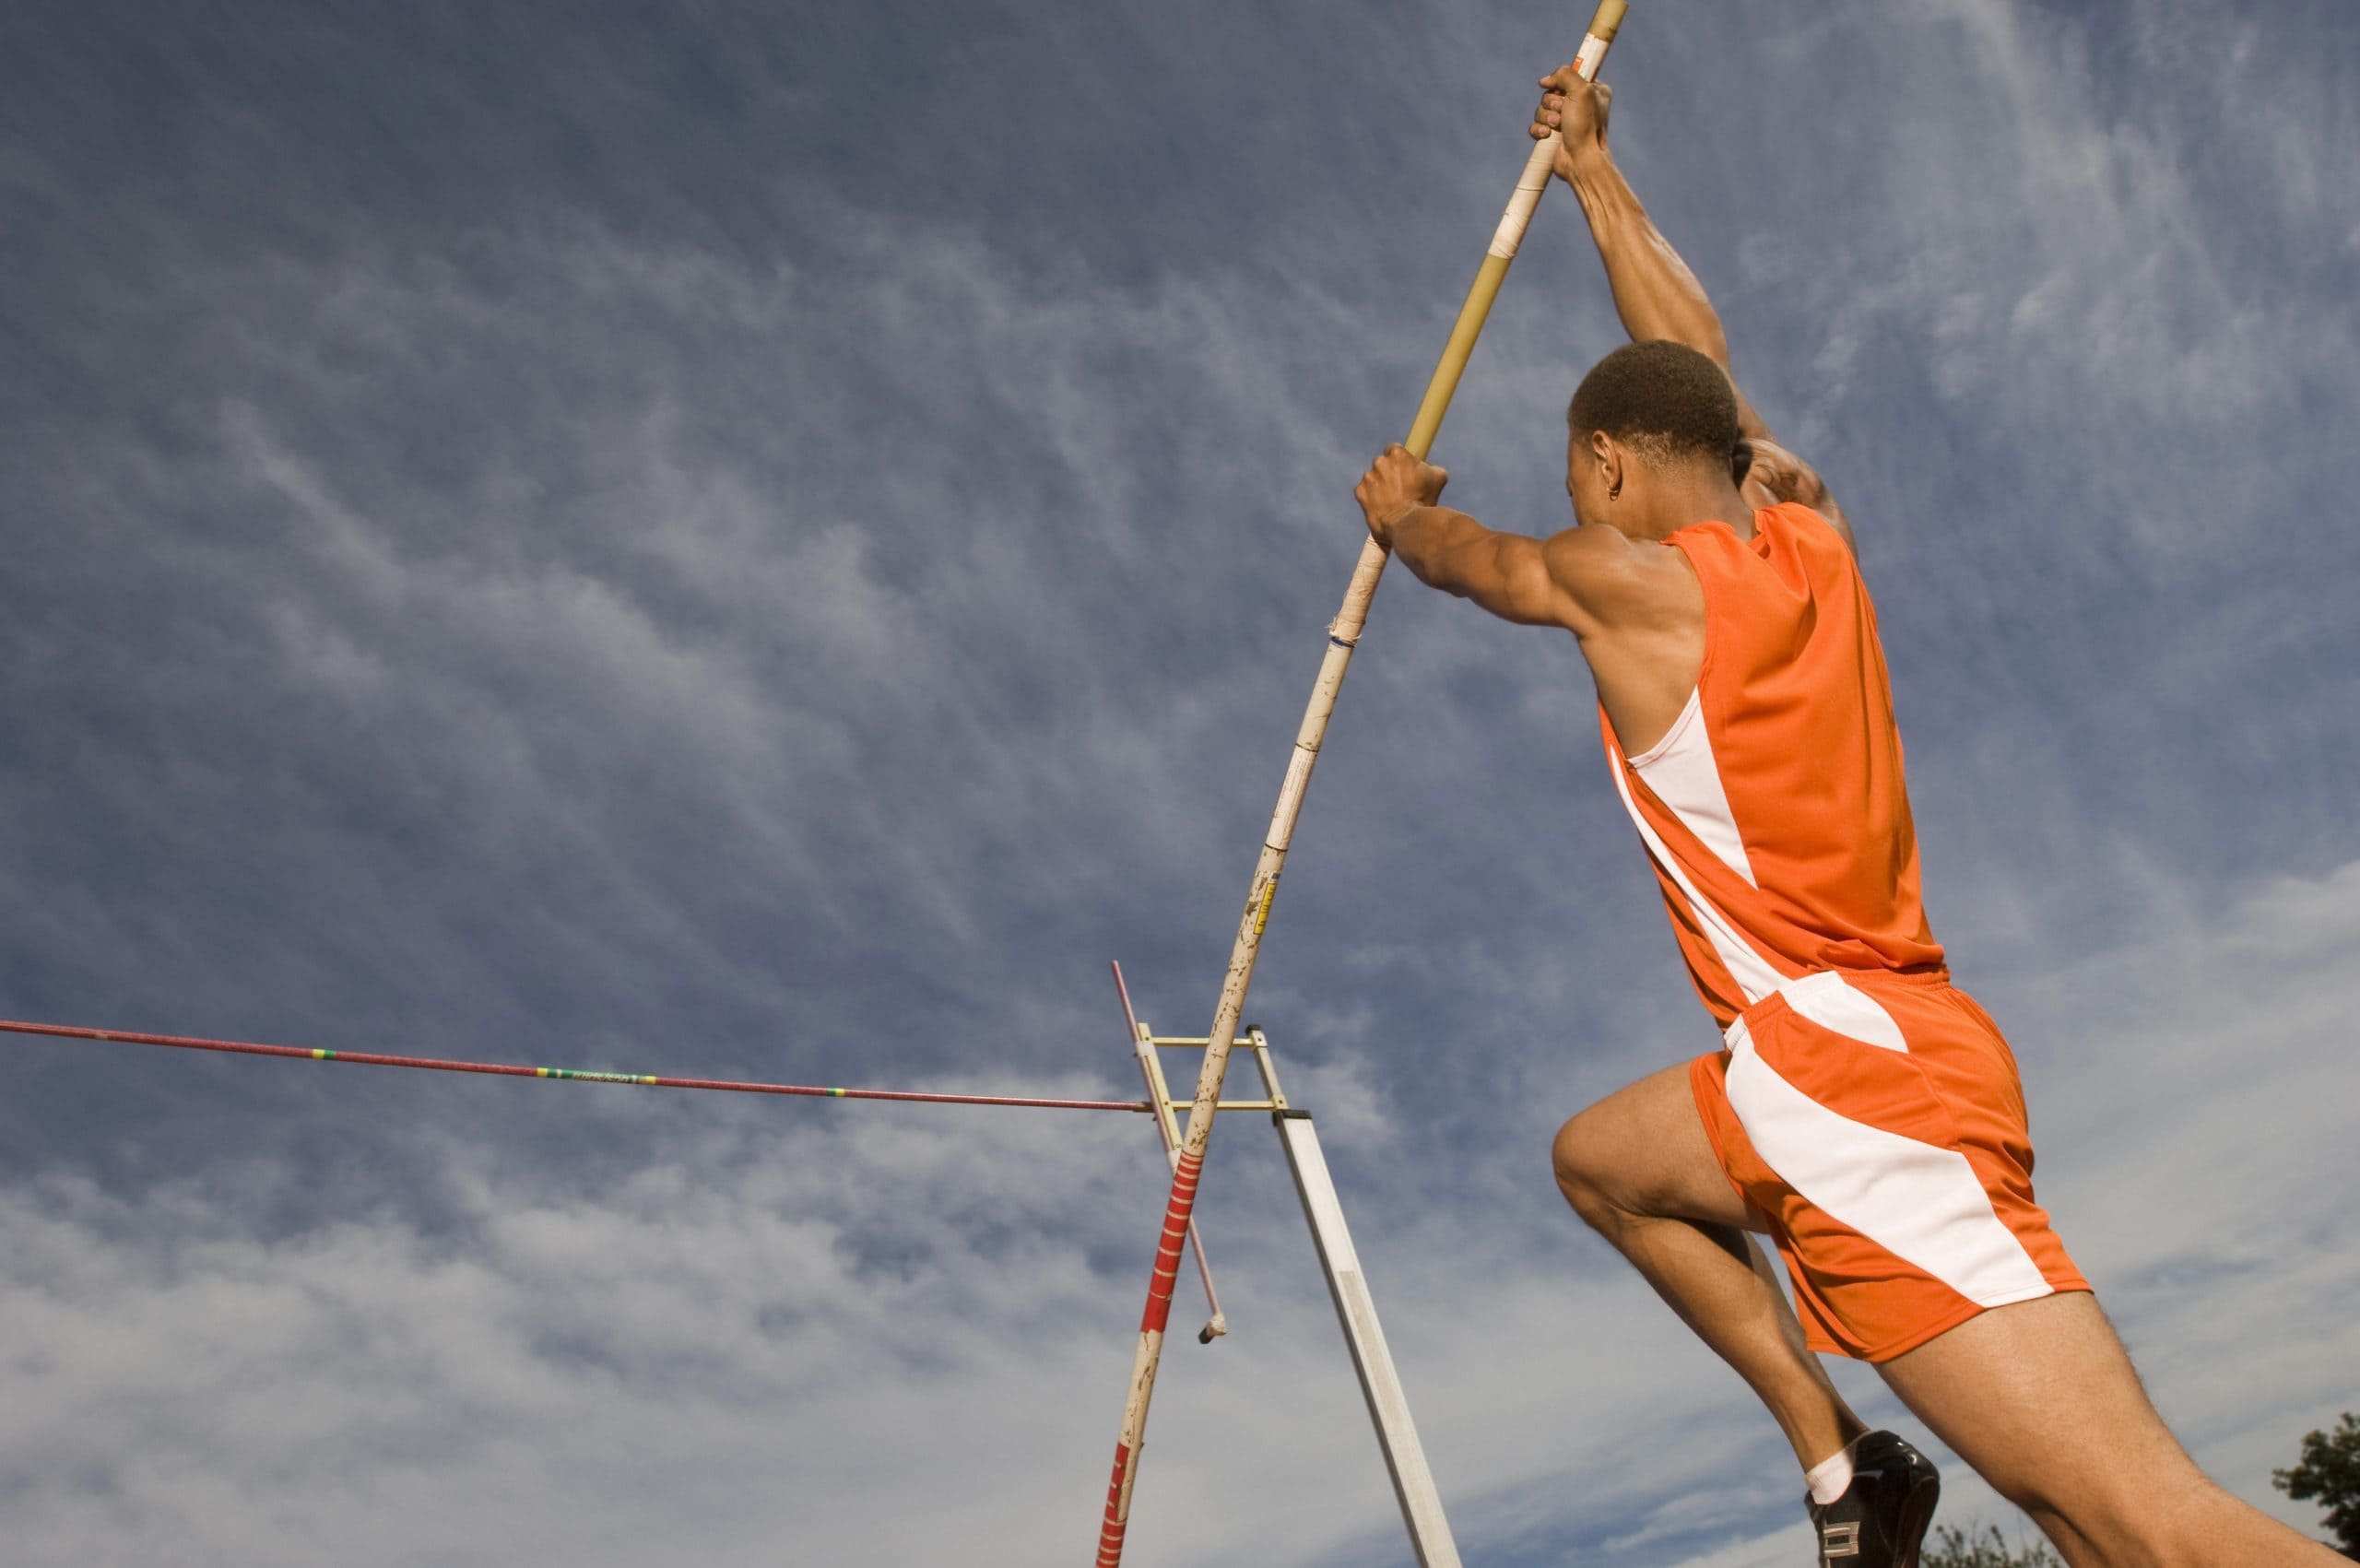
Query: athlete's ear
[{"x": 1610, "y": 455}]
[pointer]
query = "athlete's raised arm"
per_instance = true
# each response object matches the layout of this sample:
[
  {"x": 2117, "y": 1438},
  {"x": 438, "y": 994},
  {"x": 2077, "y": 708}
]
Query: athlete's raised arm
[
  {"x": 1586, "y": 580},
  {"x": 1655, "y": 292}
]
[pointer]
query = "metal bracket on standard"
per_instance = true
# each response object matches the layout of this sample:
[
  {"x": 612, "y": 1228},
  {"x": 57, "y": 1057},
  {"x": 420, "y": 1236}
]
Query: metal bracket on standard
[{"x": 1388, "y": 1405}]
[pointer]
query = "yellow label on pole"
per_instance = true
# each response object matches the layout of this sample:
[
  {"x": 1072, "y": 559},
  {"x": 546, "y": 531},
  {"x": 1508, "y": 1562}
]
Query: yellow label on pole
[{"x": 1270, "y": 892}]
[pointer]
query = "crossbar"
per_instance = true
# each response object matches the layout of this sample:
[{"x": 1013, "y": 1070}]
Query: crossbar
[{"x": 567, "y": 1075}]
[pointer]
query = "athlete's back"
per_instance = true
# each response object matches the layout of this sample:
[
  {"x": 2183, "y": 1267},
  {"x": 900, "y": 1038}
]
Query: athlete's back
[{"x": 1774, "y": 808}]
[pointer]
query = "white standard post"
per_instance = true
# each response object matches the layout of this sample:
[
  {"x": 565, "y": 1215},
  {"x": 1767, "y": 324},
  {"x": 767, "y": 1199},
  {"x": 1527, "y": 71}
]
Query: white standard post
[
  {"x": 1342, "y": 634},
  {"x": 1388, "y": 1405}
]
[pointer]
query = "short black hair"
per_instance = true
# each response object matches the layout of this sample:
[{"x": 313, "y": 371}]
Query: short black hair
[{"x": 1663, "y": 399}]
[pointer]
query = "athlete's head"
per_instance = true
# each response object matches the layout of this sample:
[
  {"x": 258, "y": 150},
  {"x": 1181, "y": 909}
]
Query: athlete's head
[{"x": 1647, "y": 413}]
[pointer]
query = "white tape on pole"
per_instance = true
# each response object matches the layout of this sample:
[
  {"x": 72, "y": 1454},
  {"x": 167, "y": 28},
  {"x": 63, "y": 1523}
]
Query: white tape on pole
[{"x": 1521, "y": 206}]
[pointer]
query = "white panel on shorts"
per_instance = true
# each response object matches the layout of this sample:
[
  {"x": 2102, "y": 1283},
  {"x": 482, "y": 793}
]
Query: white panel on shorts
[
  {"x": 1824, "y": 998},
  {"x": 1922, "y": 1204}
]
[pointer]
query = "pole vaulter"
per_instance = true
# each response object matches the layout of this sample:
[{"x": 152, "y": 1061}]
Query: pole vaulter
[{"x": 1343, "y": 634}]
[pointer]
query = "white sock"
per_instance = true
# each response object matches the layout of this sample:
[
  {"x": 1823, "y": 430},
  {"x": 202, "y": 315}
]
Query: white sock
[{"x": 1831, "y": 1478}]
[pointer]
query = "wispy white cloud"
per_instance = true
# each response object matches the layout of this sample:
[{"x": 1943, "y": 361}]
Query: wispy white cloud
[{"x": 878, "y": 1334}]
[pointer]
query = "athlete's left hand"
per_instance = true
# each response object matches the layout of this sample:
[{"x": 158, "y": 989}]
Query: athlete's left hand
[
  {"x": 1576, "y": 112},
  {"x": 1397, "y": 484}
]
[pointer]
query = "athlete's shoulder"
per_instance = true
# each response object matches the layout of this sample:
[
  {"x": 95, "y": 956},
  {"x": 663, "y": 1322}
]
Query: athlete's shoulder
[
  {"x": 1798, "y": 515},
  {"x": 1775, "y": 476},
  {"x": 1610, "y": 580},
  {"x": 1809, "y": 534}
]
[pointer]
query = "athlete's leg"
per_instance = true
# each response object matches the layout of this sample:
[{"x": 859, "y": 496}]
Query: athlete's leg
[
  {"x": 2040, "y": 1399},
  {"x": 1639, "y": 1167}
]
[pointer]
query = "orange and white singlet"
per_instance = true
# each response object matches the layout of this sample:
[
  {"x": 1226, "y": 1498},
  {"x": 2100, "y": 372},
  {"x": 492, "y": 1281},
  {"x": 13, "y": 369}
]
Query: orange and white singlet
[{"x": 1867, "y": 1108}]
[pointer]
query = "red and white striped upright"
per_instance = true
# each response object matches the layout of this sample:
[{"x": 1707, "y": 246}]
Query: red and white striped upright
[{"x": 1342, "y": 634}]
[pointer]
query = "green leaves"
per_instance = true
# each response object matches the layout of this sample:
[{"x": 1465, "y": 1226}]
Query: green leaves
[{"x": 2330, "y": 1473}]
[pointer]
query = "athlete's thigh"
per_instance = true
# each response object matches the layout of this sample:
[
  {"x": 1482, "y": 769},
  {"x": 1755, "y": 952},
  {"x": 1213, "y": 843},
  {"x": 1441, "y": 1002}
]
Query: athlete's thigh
[
  {"x": 2041, "y": 1399},
  {"x": 1644, "y": 1149}
]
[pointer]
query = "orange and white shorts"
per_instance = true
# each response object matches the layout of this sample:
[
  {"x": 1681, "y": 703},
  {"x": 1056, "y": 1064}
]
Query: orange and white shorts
[{"x": 1877, "y": 1122}]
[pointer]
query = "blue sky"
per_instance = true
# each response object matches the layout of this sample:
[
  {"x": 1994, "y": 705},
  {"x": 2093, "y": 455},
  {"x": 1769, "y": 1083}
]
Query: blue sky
[{"x": 772, "y": 541}]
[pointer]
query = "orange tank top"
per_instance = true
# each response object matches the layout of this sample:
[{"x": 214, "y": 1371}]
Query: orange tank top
[{"x": 1774, "y": 808}]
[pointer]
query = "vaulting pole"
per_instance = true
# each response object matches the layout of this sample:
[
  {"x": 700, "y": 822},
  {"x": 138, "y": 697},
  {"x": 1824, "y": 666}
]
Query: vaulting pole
[{"x": 1342, "y": 634}]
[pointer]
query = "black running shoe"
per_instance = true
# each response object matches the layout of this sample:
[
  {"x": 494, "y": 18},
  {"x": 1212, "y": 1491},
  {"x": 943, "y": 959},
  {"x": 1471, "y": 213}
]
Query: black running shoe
[{"x": 1882, "y": 1515}]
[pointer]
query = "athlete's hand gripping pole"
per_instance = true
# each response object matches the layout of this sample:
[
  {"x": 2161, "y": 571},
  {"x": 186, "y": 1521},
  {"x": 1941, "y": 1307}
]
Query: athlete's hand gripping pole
[{"x": 1342, "y": 633}]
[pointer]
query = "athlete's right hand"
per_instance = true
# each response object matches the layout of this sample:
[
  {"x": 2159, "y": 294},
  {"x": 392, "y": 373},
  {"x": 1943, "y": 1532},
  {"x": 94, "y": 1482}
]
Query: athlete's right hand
[
  {"x": 1576, "y": 110},
  {"x": 1397, "y": 484}
]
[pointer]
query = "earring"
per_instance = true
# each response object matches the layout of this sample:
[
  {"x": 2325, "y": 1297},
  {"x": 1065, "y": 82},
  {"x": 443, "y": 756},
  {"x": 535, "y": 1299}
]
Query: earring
[{"x": 1614, "y": 491}]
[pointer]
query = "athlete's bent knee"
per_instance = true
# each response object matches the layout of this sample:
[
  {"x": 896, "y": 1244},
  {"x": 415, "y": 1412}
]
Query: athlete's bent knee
[{"x": 1580, "y": 1175}]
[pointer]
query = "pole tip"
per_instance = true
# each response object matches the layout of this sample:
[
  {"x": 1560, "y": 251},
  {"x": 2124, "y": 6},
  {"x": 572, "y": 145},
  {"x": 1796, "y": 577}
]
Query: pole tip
[{"x": 1213, "y": 1330}]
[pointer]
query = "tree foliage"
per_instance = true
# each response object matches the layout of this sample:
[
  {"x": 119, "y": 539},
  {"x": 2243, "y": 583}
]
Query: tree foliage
[
  {"x": 1957, "y": 1549},
  {"x": 2329, "y": 1474}
]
